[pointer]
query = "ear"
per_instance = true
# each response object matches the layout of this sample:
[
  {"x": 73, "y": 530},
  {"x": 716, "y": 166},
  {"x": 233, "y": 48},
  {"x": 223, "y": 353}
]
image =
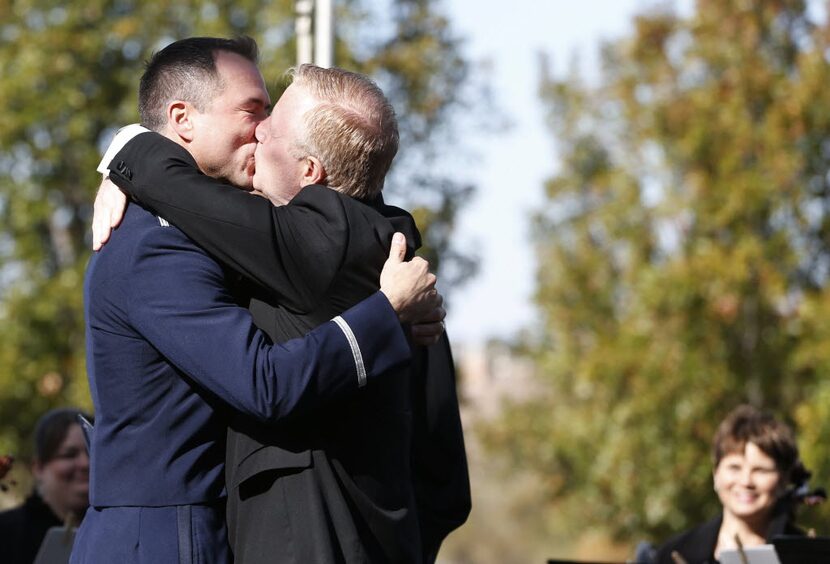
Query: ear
[
  {"x": 313, "y": 172},
  {"x": 180, "y": 119}
]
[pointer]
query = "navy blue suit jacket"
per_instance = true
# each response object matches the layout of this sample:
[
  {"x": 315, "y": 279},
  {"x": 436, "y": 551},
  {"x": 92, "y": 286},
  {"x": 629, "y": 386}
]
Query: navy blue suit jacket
[{"x": 168, "y": 349}]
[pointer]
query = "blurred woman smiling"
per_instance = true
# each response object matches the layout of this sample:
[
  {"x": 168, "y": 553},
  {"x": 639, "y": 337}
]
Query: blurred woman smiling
[
  {"x": 61, "y": 494},
  {"x": 758, "y": 477}
]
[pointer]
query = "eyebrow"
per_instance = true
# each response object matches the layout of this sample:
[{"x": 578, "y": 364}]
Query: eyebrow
[{"x": 257, "y": 101}]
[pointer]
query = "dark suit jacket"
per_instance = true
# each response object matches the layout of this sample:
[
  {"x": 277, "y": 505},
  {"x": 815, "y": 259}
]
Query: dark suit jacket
[
  {"x": 697, "y": 545},
  {"x": 379, "y": 477},
  {"x": 22, "y": 530}
]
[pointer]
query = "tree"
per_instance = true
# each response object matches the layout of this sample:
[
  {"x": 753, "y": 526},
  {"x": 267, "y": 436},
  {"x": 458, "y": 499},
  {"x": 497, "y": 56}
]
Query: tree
[
  {"x": 683, "y": 262},
  {"x": 70, "y": 76}
]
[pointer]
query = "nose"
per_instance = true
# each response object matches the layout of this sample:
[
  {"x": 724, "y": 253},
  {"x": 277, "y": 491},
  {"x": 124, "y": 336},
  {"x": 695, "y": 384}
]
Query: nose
[
  {"x": 262, "y": 129},
  {"x": 746, "y": 477}
]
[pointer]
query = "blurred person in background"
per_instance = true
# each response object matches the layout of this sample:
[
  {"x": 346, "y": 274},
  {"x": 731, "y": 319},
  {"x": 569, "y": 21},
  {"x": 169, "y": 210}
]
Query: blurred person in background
[
  {"x": 759, "y": 480},
  {"x": 61, "y": 494}
]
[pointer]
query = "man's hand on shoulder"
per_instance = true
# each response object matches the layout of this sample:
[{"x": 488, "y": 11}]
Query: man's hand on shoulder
[
  {"x": 108, "y": 211},
  {"x": 410, "y": 288},
  {"x": 110, "y": 202}
]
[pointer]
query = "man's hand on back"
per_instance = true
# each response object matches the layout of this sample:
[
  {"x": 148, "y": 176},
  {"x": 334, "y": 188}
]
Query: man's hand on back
[
  {"x": 108, "y": 210},
  {"x": 410, "y": 288},
  {"x": 429, "y": 329}
]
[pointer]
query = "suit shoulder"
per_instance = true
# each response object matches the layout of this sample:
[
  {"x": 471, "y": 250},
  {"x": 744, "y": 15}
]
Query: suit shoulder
[
  {"x": 12, "y": 518},
  {"x": 697, "y": 543},
  {"x": 140, "y": 235},
  {"x": 148, "y": 226},
  {"x": 318, "y": 195}
]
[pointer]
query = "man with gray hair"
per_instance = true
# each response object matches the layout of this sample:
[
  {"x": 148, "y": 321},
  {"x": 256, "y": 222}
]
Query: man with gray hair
[{"x": 380, "y": 476}]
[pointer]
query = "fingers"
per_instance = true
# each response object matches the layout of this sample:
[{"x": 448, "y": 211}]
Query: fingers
[
  {"x": 432, "y": 301},
  {"x": 437, "y": 298},
  {"x": 430, "y": 281},
  {"x": 108, "y": 211},
  {"x": 437, "y": 315},
  {"x": 100, "y": 227},
  {"x": 99, "y": 237},
  {"x": 117, "y": 209},
  {"x": 420, "y": 268},
  {"x": 409, "y": 286},
  {"x": 397, "y": 250},
  {"x": 426, "y": 334}
]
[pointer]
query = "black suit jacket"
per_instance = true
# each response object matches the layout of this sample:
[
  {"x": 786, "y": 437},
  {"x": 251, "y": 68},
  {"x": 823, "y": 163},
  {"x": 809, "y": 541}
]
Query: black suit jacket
[
  {"x": 697, "y": 545},
  {"x": 22, "y": 529},
  {"x": 381, "y": 476}
]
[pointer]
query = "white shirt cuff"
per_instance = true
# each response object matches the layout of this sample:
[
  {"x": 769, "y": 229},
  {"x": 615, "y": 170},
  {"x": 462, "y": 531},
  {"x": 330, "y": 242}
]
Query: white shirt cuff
[{"x": 121, "y": 138}]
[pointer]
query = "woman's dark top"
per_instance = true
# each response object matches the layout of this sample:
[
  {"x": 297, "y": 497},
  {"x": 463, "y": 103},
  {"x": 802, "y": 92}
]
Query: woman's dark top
[
  {"x": 22, "y": 530},
  {"x": 697, "y": 545}
]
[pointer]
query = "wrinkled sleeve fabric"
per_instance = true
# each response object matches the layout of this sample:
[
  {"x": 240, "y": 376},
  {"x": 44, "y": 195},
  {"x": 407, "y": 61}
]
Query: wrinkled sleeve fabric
[
  {"x": 193, "y": 321},
  {"x": 291, "y": 251}
]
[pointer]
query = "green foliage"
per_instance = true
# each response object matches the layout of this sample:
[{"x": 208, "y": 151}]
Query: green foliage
[
  {"x": 683, "y": 262},
  {"x": 70, "y": 77}
]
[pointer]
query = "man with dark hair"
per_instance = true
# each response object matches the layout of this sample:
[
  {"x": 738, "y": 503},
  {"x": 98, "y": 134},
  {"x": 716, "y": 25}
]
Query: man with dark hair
[
  {"x": 169, "y": 351},
  {"x": 380, "y": 476},
  {"x": 186, "y": 70}
]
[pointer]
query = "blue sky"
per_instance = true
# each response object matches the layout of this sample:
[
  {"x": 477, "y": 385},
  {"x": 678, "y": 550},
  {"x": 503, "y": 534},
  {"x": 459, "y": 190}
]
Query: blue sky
[{"x": 510, "y": 168}]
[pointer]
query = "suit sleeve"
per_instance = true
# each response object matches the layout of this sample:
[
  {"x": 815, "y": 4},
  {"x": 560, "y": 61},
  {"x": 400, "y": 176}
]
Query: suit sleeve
[
  {"x": 193, "y": 321},
  {"x": 439, "y": 459},
  {"x": 292, "y": 251}
]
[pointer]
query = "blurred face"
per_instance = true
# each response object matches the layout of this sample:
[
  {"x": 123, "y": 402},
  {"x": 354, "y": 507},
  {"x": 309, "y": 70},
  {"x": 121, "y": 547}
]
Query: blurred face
[
  {"x": 224, "y": 134},
  {"x": 63, "y": 481},
  {"x": 279, "y": 175},
  {"x": 748, "y": 484}
]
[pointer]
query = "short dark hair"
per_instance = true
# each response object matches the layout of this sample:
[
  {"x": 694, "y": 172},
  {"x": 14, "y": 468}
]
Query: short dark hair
[
  {"x": 748, "y": 424},
  {"x": 186, "y": 70},
  {"x": 51, "y": 430}
]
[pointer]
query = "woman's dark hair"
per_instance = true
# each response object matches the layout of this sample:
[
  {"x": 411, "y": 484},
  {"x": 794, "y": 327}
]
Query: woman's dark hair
[
  {"x": 747, "y": 424},
  {"x": 51, "y": 430}
]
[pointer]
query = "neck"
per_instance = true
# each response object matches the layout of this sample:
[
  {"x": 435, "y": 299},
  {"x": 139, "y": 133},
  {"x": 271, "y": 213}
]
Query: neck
[
  {"x": 168, "y": 132},
  {"x": 65, "y": 514},
  {"x": 751, "y": 531},
  {"x": 174, "y": 137}
]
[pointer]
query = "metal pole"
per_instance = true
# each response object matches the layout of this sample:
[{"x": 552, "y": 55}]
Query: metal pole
[
  {"x": 324, "y": 33},
  {"x": 303, "y": 8}
]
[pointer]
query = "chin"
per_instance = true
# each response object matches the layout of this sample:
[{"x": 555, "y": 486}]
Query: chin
[
  {"x": 753, "y": 512},
  {"x": 82, "y": 494}
]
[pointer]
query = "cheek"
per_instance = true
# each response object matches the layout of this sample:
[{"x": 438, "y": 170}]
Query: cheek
[
  {"x": 55, "y": 472},
  {"x": 771, "y": 486},
  {"x": 63, "y": 471},
  {"x": 246, "y": 133}
]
